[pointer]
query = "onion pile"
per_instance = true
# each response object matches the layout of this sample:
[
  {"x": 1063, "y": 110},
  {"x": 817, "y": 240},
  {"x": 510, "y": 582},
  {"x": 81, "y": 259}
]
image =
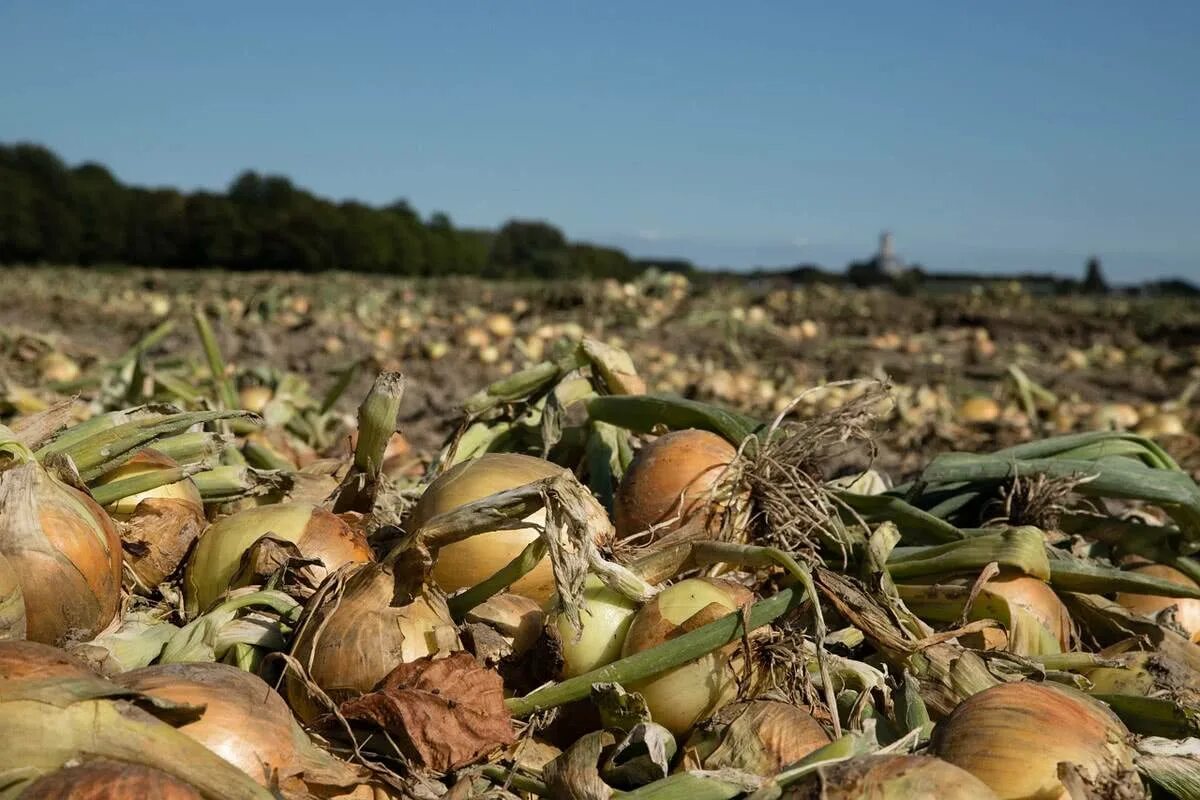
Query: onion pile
[
  {"x": 1187, "y": 609},
  {"x": 160, "y": 524},
  {"x": 316, "y": 533},
  {"x": 65, "y": 552},
  {"x": 1013, "y": 737},
  {"x": 669, "y": 481},
  {"x": 680, "y": 697},
  {"x": 464, "y": 564}
]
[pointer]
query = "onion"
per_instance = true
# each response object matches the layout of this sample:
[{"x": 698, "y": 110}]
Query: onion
[
  {"x": 679, "y": 697},
  {"x": 517, "y": 619},
  {"x": 979, "y": 410},
  {"x": 244, "y": 721},
  {"x": 161, "y": 523},
  {"x": 1036, "y": 597},
  {"x": 21, "y": 660},
  {"x": 893, "y": 777},
  {"x": 606, "y": 615},
  {"x": 464, "y": 564},
  {"x": 109, "y": 780},
  {"x": 1187, "y": 609},
  {"x": 759, "y": 736},
  {"x": 316, "y": 532},
  {"x": 1013, "y": 737},
  {"x": 65, "y": 552},
  {"x": 669, "y": 480},
  {"x": 255, "y": 397},
  {"x": 351, "y": 640}
]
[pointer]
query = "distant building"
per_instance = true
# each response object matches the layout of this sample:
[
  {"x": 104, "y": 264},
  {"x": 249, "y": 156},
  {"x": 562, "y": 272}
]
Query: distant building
[{"x": 886, "y": 259}]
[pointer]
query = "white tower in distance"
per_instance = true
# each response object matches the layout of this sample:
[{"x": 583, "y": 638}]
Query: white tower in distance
[{"x": 888, "y": 262}]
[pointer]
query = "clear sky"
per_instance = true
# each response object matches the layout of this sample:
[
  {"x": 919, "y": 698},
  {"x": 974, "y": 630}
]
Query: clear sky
[{"x": 985, "y": 135}]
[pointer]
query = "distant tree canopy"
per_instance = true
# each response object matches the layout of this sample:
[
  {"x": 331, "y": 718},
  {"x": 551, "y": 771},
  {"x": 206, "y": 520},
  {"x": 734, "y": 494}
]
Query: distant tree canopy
[{"x": 50, "y": 212}]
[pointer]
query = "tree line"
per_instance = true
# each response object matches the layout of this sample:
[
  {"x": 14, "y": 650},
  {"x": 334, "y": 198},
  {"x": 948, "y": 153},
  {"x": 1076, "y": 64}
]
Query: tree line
[{"x": 53, "y": 213}]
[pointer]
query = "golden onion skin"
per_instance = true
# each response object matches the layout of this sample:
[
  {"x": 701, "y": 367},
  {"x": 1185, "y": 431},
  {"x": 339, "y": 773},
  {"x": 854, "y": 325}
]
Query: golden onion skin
[
  {"x": 668, "y": 481},
  {"x": 145, "y": 461},
  {"x": 1036, "y": 597},
  {"x": 1187, "y": 609},
  {"x": 109, "y": 780},
  {"x": 606, "y": 616},
  {"x": 1013, "y": 736},
  {"x": 24, "y": 660},
  {"x": 680, "y": 697},
  {"x": 316, "y": 532},
  {"x": 467, "y": 563},
  {"x": 349, "y": 644},
  {"x": 65, "y": 552},
  {"x": 891, "y": 777}
]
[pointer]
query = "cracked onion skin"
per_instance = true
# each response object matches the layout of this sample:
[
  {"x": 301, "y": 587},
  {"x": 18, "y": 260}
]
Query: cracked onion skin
[
  {"x": 668, "y": 481},
  {"x": 1187, "y": 609},
  {"x": 1013, "y": 736},
  {"x": 464, "y": 564},
  {"x": 109, "y": 780}
]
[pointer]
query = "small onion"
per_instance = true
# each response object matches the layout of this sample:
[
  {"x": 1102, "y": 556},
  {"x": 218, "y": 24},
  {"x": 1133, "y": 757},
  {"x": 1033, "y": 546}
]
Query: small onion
[
  {"x": 244, "y": 721},
  {"x": 892, "y": 777},
  {"x": 979, "y": 410},
  {"x": 350, "y": 642},
  {"x": 464, "y": 564},
  {"x": 669, "y": 480},
  {"x": 759, "y": 736},
  {"x": 108, "y": 780},
  {"x": 1013, "y": 737},
  {"x": 65, "y": 552},
  {"x": 1036, "y": 597},
  {"x": 23, "y": 660},
  {"x": 160, "y": 524},
  {"x": 1187, "y": 609},
  {"x": 316, "y": 532},
  {"x": 255, "y": 397},
  {"x": 606, "y": 615},
  {"x": 680, "y": 697}
]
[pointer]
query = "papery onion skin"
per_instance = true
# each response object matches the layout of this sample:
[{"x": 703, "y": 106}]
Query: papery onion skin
[
  {"x": 315, "y": 531},
  {"x": 668, "y": 481},
  {"x": 65, "y": 552},
  {"x": 891, "y": 777},
  {"x": 1036, "y": 597},
  {"x": 12, "y": 603},
  {"x": 109, "y": 780},
  {"x": 1013, "y": 736},
  {"x": 606, "y": 615},
  {"x": 464, "y": 564},
  {"x": 1187, "y": 609},
  {"x": 348, "y": 644},
  {"x": 757, "y": 736},
  {"x": 160, "y": 524},
  {"x": 24, "y": 660},
  {"x": 680, "y": 697},
  {"x": 244, "y": 721}
]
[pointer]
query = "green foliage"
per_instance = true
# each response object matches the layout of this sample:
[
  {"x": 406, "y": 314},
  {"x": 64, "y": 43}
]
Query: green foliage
[{"x": 83, "y": 215}]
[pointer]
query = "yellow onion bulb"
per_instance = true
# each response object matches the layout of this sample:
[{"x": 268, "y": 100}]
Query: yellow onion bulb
[
  {"x": 316, "y": 533},
  {"x": 161, "y": 523},
  {"x": 464, "y": 564},
  {"x": 65, "y": 552},
  {"x": 24, "y": 660},
  {"x": 245, "y": 721},
  {"x": 680, "y": 697},
  {"x": 670, "y": 480},
  {"x": 109, "y": 780},
  {"x": 1039, "y": 600},
  {"x": 1187, "y": 609},
  {"x": 349, "y": 642},
  {"x": 760, "y": 737},
  {"x": 254, "y": 397},
  {"x": 1013, "y": 737},
  {"x": 606, "y": 615},
  {"x": 893, "y": 777}
]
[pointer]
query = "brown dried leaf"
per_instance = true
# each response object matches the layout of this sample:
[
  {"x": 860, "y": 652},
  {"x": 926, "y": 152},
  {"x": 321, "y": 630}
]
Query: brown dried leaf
[
  {"x": 445, "y": 713},
  {"x": 277, "y": 562}
]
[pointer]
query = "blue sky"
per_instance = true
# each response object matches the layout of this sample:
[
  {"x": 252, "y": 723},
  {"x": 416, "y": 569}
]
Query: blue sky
[{"x": 990, "y": 136}]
